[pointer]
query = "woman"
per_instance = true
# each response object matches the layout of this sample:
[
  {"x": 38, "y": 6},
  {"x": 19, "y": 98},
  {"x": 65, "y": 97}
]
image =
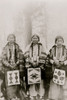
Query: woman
[
  {"x": 58, "y": 59},
  {"x": 12, "y": 58},
  {"x": 35, "y": 58}
]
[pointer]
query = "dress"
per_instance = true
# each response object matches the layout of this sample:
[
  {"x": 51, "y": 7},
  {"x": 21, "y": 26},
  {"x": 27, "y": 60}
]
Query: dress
[
  {"x": 11, "y": 55},
  {"x": 56, "y": 92},
  {"x": 34, "y": 53}
]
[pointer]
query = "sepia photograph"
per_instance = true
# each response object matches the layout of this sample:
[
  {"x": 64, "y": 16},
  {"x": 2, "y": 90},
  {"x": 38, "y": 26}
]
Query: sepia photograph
[{"x": 33, "y": 49}]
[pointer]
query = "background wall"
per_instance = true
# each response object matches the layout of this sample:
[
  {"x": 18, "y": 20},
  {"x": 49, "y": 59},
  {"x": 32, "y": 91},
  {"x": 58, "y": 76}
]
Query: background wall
[{"x": 47, "y": 18}]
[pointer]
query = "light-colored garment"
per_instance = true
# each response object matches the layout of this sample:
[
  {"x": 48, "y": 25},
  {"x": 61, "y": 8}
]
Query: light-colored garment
[
  {"x": 37, "y": 89},
  {"x": 56, "y": 92}
]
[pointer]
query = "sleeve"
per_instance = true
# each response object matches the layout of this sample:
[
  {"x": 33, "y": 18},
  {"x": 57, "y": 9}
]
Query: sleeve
[
  {"x": 51, "y": 56},
  {"x": 51, "y": 53},
  {"x": 65, "y": 62},
  {"x": 43, "y": 53},
  {"x": 20, "y": 62},
  {"x": 4, "y": 58},
  {"x": 20, "y": 56},
  {"x": 26, "y": 53}
]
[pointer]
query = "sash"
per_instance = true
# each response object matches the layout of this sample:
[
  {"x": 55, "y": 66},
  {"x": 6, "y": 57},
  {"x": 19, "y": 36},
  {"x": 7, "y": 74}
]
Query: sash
[
  {"x": 34, "y": 75},
  {"x": 13, "y": 78},
  {"x": 59, "y": 77}
]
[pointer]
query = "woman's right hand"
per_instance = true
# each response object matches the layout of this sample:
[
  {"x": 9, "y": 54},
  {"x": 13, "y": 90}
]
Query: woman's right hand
[
  {"x": 56, "y": 62},
  {"x": 52, "y": 61}
]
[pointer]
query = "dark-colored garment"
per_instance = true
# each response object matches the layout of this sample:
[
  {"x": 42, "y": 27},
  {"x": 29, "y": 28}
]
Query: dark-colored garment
[
  {"x": 12, "y": 55},
  {"x": 34, "y": 56}
]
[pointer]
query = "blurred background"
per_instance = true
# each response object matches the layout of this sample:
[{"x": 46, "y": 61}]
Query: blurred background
[{"x": 47, "y": 18}]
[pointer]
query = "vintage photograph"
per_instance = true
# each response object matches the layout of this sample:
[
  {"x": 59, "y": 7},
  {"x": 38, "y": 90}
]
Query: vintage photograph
[{"x": 33, "y": 49}]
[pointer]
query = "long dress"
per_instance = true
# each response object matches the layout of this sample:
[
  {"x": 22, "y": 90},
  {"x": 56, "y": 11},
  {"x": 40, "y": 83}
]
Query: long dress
[
  {"x": 56, "y": 92},
  {"x": 11, "y": 55},
  {"x": 33, "y": 51}
]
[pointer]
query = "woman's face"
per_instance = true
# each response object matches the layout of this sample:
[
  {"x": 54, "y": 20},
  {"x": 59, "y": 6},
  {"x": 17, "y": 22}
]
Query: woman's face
[
  {"x": 35, "y": 40},
  {"x": 59, "y": 42},
  {"x": 11, "y": 39}
]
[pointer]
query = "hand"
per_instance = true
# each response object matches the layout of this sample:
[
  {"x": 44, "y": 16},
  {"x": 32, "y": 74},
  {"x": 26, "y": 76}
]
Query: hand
[
  {"x": 10, "y": 66},
  {"x": 13, "y": 66},
  {"x": 56, "y": 62},
  {"x": 27, "y": 65},
  {"x": 61, "y": 62},
  {"x": 42, "y": 67},
  {"x": 51, "y": 61},
  {"x": 27, "y": 59},
  {"x": 35, "y": 64},
  {"x": 24, "y": 79},
  {"x": 65, "y": 62}
]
